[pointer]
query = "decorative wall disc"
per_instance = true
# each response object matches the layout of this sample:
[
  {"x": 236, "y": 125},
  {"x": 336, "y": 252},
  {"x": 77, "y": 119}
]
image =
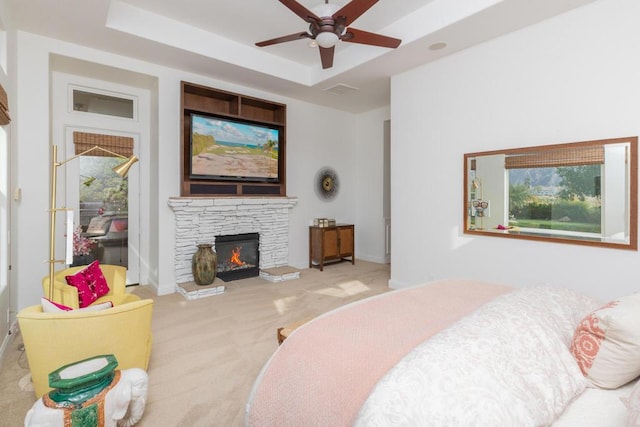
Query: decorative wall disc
[{"x": 326, "y": 183}]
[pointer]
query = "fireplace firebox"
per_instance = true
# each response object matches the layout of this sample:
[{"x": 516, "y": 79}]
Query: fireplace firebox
[{"x": 238, "y": 256}]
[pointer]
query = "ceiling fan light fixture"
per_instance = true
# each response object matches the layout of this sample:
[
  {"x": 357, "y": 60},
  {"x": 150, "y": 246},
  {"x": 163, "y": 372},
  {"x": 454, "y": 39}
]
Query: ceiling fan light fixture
[
  {"x": 327, "y": 25},
  {"x": 326, "y": 39},
  {"x": 325, "y": 10}
]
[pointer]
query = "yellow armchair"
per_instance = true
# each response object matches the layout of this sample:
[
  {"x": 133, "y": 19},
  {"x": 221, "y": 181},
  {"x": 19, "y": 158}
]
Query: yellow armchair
[
  {"x": 64, "y": 294},
  {"x": 53, "y": 340}
]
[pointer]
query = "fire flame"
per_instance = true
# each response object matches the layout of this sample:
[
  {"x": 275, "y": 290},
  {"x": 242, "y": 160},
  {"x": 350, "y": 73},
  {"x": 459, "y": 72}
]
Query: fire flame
[{"x": 235, "y": 256}]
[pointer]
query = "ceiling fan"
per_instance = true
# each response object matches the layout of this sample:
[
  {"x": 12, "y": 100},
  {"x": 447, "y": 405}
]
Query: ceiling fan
[{"x": 328, "y": 23}]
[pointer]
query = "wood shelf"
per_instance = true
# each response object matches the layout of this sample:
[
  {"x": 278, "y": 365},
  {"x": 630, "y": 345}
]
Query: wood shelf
[{"x": 201, "y": 99}]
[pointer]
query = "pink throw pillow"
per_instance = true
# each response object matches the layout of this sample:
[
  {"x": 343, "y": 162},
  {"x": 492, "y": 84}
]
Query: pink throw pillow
[{"x": 90, "y": 283}]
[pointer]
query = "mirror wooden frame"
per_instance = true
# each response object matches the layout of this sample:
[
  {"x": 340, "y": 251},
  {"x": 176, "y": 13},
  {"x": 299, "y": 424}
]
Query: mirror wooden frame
[{"x": 630, "y": 241}]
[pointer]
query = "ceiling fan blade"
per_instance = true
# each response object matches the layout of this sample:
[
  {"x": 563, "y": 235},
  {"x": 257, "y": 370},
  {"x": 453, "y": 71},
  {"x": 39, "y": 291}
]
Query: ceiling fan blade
[
  {"x": 326, "y": 56},
  {"x": 352, "y": 10},
  {"x": 283, "y": 39},
  {"x": 301, "y": 11},
  {"x": 353, "y": 35}
]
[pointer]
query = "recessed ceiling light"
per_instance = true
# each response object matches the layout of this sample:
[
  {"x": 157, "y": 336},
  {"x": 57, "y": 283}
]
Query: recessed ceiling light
[
  {"x": 313, "y": 43},
  {"x": 438, "y": 46}
]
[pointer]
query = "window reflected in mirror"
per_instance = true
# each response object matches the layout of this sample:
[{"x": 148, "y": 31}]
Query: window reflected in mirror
[{"x": 583, "y": 193}]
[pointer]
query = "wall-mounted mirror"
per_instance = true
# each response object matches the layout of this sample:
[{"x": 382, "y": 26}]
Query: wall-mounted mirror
[{"x": 582, "y": 193}]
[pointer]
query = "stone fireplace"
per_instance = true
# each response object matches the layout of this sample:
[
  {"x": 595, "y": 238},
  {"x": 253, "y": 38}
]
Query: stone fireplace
[{"x": 201, "y": 219}]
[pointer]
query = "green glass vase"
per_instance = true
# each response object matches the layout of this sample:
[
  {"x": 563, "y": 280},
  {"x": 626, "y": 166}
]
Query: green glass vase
[{"x": 204, "y": 265}]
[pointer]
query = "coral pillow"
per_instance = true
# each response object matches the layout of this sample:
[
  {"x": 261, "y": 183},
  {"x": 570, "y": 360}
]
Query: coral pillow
[
  {"x": 606, "y": 344},
  {"x": 90, "y": 283}
]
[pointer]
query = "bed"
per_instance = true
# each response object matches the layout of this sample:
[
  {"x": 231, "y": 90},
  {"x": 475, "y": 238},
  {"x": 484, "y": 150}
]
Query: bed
[{"x": 453, "y": 352}]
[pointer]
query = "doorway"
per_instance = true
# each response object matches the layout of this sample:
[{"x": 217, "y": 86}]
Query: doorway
[
  {"x": 386, "y": 190},
  {"x": 107, "y": 211},
  {"x": 89, "y": 113}
]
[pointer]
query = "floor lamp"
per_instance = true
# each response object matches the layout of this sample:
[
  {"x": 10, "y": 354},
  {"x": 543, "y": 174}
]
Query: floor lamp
[{"x": 121, "y": 169}]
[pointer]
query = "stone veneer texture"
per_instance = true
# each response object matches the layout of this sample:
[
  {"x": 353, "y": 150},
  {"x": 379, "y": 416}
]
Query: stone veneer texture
[{"x": 200, "y": 219}]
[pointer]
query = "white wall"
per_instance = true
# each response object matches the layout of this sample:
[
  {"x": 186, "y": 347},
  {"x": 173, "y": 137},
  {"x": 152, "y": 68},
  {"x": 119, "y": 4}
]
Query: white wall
[
  {"x": 369, "y": 166},
  {"x": 571, "y": 78},
  {"x": 7, "y": 79},
  {"x": 316, "y": 137}
]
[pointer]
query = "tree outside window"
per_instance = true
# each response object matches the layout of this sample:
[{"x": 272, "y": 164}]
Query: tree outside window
[{"x": 559, "y": 198}]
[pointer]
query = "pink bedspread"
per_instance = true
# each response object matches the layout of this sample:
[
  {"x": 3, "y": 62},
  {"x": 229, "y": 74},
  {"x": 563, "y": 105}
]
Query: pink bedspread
[{"x": 323, "y": 373}]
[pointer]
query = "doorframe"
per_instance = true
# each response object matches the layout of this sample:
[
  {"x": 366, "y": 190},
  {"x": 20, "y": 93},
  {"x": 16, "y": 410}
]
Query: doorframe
[{"x": 64, "y": 117}]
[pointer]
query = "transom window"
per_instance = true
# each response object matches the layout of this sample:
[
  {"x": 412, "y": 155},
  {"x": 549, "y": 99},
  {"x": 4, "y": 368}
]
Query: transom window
[{"x": 100, "y": 102}]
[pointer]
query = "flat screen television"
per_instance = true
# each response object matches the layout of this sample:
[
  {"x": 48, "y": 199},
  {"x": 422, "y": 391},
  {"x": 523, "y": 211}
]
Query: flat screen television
[{"x": 237, "y": 150}]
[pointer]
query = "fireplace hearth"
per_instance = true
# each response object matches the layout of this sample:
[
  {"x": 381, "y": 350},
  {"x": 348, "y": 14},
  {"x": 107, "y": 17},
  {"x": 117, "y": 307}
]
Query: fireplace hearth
[
  {"x": 201, "y": 219},
  {"x": 238, "y": 256}
]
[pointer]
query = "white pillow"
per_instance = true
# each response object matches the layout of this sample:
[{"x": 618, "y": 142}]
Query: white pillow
[
  {"x": 633, "y": 406},
  {"x": 49, "y": 306},
  {"x": 606, "y": 344}
]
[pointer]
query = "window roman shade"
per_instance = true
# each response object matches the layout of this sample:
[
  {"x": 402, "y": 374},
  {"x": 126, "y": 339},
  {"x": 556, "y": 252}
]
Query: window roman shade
[
  {"x": 84, "y": 141},
  {"x": 4, "y": 108},
  {"x": 567, "y": 156}
]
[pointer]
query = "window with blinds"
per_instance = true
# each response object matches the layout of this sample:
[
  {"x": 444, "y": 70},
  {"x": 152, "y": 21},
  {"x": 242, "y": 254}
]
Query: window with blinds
[{"x": 5, "y": 119}]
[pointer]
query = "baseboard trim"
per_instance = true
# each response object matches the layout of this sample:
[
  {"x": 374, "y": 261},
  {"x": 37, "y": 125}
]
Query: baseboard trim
[
  {"x": 396, "y": 284},
  {"x": 368, "y": 258},
  {"x": 8, "y": 339}
]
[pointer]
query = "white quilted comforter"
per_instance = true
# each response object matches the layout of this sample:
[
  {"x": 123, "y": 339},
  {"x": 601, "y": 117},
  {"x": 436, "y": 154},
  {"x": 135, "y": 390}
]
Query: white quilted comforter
[{"x": 507, "y": 364}]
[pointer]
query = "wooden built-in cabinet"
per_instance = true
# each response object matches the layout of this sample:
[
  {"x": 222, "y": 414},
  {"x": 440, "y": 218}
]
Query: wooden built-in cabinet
[
  {"x": 331, "y": 244},
  {"x": 206, "y": 100}
]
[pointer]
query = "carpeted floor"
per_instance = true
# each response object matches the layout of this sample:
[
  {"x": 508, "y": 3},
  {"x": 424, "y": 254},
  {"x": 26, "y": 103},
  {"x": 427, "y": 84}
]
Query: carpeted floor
[{"x": 207, "y": 352}]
